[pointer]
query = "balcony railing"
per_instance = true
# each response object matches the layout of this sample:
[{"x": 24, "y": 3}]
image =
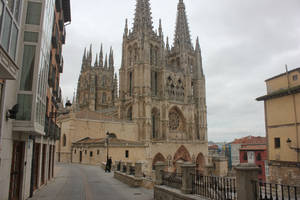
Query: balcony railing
[
  {"x": 172, "y": 179},
  {"x": 266, "y": 191},
  {"x": 214, "y": 187}
]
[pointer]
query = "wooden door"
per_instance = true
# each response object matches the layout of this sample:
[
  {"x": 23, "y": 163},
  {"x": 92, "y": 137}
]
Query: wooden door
[
  {"x": 80, "y": 156},
  {"x": 43, "y": 164},
  {"x": 16, "y": 170},
  {"x": 36, "y": 165},
  {"x": 49, "y": 165}
]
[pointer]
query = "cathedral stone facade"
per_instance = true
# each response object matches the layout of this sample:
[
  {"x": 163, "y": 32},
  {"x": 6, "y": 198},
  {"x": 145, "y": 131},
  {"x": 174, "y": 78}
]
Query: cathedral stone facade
[{"x": 161, "y": 92}]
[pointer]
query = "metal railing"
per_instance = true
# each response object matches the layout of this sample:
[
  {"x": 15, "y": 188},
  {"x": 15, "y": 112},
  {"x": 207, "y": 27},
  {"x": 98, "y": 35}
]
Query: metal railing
[
  {"x": 132, "y": 170},
  {"x": 274, "y": 191},
  {"x": 223, "y": 188},
  {"x": 172, "y": 179}
]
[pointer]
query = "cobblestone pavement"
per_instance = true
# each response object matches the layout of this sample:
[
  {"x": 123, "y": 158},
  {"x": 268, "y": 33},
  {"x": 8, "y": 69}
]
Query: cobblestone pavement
[{"x": 82, "y": 182}]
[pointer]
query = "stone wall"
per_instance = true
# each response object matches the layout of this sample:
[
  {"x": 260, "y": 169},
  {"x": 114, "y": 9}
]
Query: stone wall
[
  {"x": 284, "y": 174},
  {"x": 128, "y": 179},
  {"x": 167, "y": 193}
]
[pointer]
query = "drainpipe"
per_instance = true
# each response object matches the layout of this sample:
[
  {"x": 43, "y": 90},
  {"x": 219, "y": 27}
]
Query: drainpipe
[{"x": 32, "y": 166}]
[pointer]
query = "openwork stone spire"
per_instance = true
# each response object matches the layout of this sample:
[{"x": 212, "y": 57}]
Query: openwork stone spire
[
  {"x": 142, "y": 18},
  {"x": 182, "y": 33}
]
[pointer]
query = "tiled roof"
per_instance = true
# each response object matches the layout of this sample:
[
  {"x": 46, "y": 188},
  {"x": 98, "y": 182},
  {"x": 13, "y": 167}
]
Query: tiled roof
[
  {"x": 213, "y": 147},
  {"x": 99, "y": 141},
  {"x": 253, "y": 147},
  {"x": 250, "y": 140}
]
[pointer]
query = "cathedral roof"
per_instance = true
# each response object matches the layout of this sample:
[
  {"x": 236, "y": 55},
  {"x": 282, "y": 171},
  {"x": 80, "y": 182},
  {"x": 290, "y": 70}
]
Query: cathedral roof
[{"x": 102, "y": 141}]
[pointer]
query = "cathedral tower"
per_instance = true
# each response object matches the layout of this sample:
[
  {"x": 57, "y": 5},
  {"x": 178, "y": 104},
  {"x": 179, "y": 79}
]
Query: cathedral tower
[
  {"x": 97, "y": 85},
  {"x": 162, "y": 88}
]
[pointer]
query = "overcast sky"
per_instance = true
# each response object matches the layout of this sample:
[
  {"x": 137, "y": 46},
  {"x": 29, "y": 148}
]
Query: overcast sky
[{"x": 243, "y": 43}]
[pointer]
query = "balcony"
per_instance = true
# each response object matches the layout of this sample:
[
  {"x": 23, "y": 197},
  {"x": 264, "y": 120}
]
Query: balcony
[
  {"x": 61, "y": 66},
  {"x": 54, "y": 42},
  {"x": 8, "y": 68},
  {"x": 58, "y": 5},
  {"x": 61, "y": 25}
]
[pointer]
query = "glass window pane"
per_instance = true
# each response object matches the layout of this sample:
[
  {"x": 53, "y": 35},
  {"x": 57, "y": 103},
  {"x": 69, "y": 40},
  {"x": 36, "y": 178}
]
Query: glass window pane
[
  {"x": 31, "y": 36},
  {"x": 24, "y": 104},
  {"x": 27, "y": 68},
  {"x": 6, "y": 30},
  {"x": 10, "y": 4},
  {"x": 17, "y": 10},
  {"x": 13, "y": 42},
  {"x": 33, "y": 15},
  {"x": 1, "y": 11}
]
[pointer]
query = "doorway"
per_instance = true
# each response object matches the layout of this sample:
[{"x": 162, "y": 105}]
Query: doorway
[
  {"x": 80, "y": 156},
  {"x": 16, "y": 170},
  {"x": 36, "y": 165},
  {"x": 43, "y": 164}
]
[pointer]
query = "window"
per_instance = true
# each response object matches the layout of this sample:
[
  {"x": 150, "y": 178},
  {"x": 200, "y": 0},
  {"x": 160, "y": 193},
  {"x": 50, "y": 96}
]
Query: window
[
  {"x": 27, "y": 68},
  {"x": 17, "y": 10},
  {"x": 6, "y": 30},
  {"x": 24, "y": 105},
  {"x": 10, "y": 4},
  {"x": 91, "y": 154},
  {"x": 1, "y": 12},
  {"x": 33, "y": 14},
  {"x": 260, "y": 169},
  {"x": 126, "y": 154},
  {"x": 129, "y": 114},
  {"x": 245, "y": 156},
  {"x": 85, "y": 152},
  {"x": 75, "y": 151},
  {"x": 13, "y": 42},
  {"x": 64, "y": 140},
  {"x": 295, "y": 77},
  {"x": 258, "y": 157},
  {"x": 277, "y": 143},
  {"x": 98, "y": 152},
  {"x": 130, "y": 84},
  {"x": 31, "y": 36},
  {"x": 153, "y": 127},
  {"x": 103, "y": 98}
]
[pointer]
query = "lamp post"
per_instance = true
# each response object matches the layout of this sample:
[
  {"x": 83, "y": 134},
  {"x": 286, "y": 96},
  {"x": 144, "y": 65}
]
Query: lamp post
[{"x": 107, "y": 143}]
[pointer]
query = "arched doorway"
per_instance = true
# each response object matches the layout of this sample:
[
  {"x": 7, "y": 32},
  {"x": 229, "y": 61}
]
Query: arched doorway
[
  {"x": 182, "y": 154},
  {"x": 200, "y": 164},
  {"x": 158, "y": 157}
]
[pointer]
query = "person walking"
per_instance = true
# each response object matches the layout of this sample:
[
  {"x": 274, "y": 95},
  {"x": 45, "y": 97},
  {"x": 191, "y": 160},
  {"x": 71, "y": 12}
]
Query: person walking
[{"x": 109, "y": 162}]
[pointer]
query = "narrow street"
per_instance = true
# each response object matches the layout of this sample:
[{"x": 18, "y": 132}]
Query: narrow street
[{"x": 82, "y": 182}]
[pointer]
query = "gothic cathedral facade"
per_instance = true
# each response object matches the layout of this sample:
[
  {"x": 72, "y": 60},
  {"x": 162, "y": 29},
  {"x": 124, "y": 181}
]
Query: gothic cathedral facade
[{"x": 161, "y": 88}]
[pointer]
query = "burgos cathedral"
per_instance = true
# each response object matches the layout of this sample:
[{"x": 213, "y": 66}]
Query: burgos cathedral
[{"x": 156, "y": 113}]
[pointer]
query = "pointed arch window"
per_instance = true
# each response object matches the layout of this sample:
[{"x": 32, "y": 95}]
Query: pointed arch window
[
  {"x": 64, "y": 140},
  {"x": 155, "y": 117},
  {"x": 129, "y": 113},
  {"x": 130, "y": 83},
  {"x": 103, "y": 98}
]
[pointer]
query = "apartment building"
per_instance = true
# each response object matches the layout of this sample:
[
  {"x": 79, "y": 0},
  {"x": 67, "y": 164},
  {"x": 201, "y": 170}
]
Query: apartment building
[{"x": 27, "y": 150}]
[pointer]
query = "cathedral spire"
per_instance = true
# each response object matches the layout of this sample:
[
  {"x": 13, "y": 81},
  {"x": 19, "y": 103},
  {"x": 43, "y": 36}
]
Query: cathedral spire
[
  {"x": 126, "y": 28},
  {"x": 101, "y": 57},
  {"x": 142, "y": 18},
  {"x": 160, "y": 28},
  {"x": 84, "y": 55},
  {"x": 105, "y": 64},
  {"x": 167, "y": 45},
  {"x": 111, "y": 58},
  {"x": 96, "y": 61},
  {"x": 197, "y": 45},
  {"x": 182, "y": 34}
]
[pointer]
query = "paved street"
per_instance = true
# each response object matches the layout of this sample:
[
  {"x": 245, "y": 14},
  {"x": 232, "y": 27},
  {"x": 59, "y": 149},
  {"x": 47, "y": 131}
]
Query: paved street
[{"x": 81, "y": 182}]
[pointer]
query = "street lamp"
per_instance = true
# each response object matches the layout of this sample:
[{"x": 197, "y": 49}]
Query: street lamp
[
  {"x": 107, "y": 143},
  {"x": 289, "y": 141}
]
